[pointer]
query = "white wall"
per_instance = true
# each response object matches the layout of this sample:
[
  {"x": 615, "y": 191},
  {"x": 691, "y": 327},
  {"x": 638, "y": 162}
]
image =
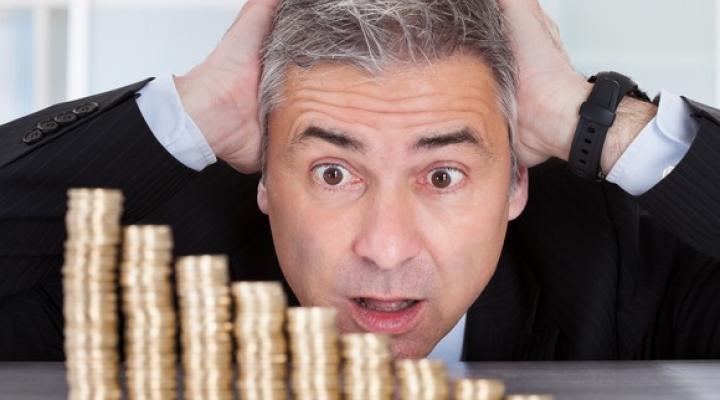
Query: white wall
[
  {"x": 663, "y": 44},
  {"x": 16, "y": 86},
  {"x": 127, "y": 45}
]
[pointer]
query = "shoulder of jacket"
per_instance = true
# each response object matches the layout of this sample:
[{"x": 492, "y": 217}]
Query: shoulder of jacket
[
  {"x": 23, "y": 135},
  {"x": 700, "y": 110}
]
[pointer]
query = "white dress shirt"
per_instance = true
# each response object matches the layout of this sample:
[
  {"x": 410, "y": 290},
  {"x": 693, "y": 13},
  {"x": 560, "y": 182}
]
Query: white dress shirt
[{"x": 653, "y": 154}]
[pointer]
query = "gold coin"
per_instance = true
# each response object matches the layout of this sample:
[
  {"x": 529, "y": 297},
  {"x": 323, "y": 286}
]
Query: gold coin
[
  {"x": 75, "y": 270},
  {"x": 100, "y": 193},
  {"x": 93, "y": 240},
  {"x": 366, "y": 340},
  {"x": 143, "y": 267},
  {"x": 479, "y": 389},
  {"x": 200, "y": 293},
  {"x": 85, "y": 252},
  {"x": 202, "y": 266},
  {"x": 206, "y": 394},
  {"x": 250, "y": 357},
  {"x": 145, "y": 233},
  {"x": 307, "y": 316},
  {"x": 144, "y": 256},
  {"x": 89, "y": 268},
  {"x": 79, "y": 221},
  {"x": 244, "y": 325},
  {"x": 148, "y": 303},
  {"x": 213, "y": 312},
  {"x": 101, "y": 340}
]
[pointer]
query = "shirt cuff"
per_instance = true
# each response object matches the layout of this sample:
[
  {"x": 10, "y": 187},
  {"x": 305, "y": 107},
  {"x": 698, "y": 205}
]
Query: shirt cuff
[
  {"x": 160, "y": 105},
  {"x": 659, "y": 147}
]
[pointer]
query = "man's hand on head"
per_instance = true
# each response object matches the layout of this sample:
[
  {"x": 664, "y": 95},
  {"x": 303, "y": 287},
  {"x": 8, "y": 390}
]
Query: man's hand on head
[
  {"x": 550, "y": 92},
  {"x": 221, "y": 93}
]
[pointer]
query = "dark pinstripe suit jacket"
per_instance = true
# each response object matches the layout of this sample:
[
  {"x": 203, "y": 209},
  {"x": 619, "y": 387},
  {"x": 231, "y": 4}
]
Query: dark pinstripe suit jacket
[{"x": 587, "y": 272}]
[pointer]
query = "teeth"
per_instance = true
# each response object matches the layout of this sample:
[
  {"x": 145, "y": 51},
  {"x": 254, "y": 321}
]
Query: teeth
[{"x": 385, "y": 306}]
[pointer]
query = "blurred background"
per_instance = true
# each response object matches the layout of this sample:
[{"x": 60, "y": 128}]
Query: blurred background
[{"x": 54, "y": 50}]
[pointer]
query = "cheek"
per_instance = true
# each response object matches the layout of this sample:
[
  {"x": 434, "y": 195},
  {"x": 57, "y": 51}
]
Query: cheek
[
  {"x": 466, "y": 243},
  {"x": 309, "y": 242}
]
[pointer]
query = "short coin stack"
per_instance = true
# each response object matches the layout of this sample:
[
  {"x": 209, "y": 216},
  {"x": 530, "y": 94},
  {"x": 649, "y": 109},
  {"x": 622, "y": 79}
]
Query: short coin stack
[
  {"x": 367, "y": 373},
  {"x": 259, "y": 332},
  {"x": 90, "y": 295},
  {"x": 314, "y": 353},
  {"x": 204, "y": 300},
  {"x": 479, "y": 389},
  {"x": 149, "y": 312},
  {"x": 422, "y": 379}
]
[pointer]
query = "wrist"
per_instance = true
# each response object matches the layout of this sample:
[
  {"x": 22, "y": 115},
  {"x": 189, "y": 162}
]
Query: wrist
[
  {"x": 207, "y": 109},
  {"x": 631, "y": 117},
  {"x": 567, "y": 118}
]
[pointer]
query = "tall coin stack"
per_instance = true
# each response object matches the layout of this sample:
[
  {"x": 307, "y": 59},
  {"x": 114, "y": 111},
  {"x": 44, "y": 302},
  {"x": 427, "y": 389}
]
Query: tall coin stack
[
  {"x": 204, "y": 300},
  {"x": 422, "y": 379},
  {"x": 259, "y": 332},
  {"x": 315, "y": 358},
  {"x": 90, "y": 294},
  {"x": 479, "y": 389},
  {"x": 367, "y": 373},
  {"x": 149, "y": 312}
]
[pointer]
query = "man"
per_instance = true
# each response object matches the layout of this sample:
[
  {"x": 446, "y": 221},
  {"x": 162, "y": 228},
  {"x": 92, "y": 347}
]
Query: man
[{"x": 389, "y": 151}]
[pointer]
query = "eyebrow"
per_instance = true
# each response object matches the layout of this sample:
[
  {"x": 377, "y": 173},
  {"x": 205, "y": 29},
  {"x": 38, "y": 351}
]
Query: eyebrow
[
  {"x": 463, "y": 136},
  {"x": 434, "y": 141},
  {"x": 339, "y": 139}
]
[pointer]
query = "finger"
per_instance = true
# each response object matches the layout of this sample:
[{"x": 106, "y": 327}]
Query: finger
[
  {"x": 251, "y": 26},
  {"x": 519, "y": 6},
  {"x": 529, "y": 26}
]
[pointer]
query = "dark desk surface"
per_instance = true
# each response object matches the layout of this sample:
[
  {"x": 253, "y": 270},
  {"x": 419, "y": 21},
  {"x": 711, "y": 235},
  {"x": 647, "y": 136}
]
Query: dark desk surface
[{"x": 568, "y": 380}]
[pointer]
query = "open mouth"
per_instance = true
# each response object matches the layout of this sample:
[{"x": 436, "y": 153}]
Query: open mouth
[
  {"x": 393, "y": 316},
  {"x": 384, "y": 306}
]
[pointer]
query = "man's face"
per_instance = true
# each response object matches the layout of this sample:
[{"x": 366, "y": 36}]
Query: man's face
[{"x": 388, "y": 195}]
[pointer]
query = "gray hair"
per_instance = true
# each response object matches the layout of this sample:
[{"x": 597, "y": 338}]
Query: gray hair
[{"x": 376, "y": 34}]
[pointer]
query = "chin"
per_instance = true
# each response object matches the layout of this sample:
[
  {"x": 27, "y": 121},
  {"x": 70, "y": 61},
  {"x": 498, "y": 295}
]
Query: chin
[{"x": 409, "y": 348}]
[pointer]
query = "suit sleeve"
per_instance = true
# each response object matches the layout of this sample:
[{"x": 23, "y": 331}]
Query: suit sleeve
[
  {"x": 687, "y": 204},
  {"x": 687, "y": 201},
  {"x": 101, "y": 141}
]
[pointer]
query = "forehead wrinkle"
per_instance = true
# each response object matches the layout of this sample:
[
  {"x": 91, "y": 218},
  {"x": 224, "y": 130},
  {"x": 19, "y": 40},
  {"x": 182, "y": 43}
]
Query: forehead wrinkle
[
  {"x": 417, "y": 132},
  {"x": 385, "y": 107},
  {"x": 472, "y": 118},
  {"x": 388, "y": 102},
  {"x": 364, "y": 102}
]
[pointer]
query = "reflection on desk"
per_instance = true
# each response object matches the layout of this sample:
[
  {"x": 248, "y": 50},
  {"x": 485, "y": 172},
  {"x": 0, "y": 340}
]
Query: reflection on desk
[{"x": 564, "y": 380}]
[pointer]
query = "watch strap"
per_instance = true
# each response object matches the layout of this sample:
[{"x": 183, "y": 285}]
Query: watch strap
[{"x": 597, "y": 115}]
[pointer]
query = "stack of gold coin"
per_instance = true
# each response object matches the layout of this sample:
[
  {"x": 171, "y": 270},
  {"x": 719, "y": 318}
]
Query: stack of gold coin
[
  {"x": 149, "y": 312},
  {"x": 422, "y": 379},
  {"x": 479, "y": 389},
  {"x": 90, "y": 293},
  {"x": 367, "y": 373},
  {"x": 262, "y": 352},
  {"x": 204, "y": 300},
  {"x": 315, "y": 359}
]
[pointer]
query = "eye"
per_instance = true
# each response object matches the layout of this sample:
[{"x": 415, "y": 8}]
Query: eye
[
  {"x": 333, "y": 175},
  {"x": 444, "y": 178}
]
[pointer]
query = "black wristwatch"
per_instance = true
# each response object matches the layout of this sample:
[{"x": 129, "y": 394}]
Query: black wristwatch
[{"x": 597, "y": 114}]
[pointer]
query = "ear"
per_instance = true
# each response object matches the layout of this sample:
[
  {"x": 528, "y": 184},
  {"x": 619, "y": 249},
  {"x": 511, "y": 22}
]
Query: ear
[
  {"x": 262, "y": 196},
  {"x": 518, "y": 199}
]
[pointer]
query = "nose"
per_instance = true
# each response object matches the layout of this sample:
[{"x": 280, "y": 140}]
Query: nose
[{"x": 388, "y": 237}]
